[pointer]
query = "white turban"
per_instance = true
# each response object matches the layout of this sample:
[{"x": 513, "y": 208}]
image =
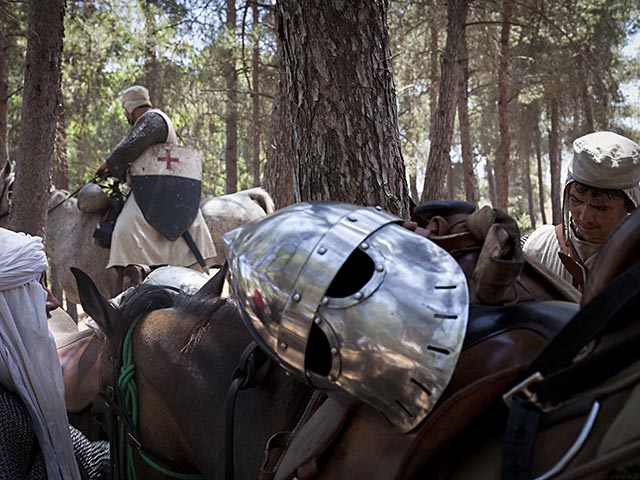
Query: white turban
[
  {"x": 29, "y": 363},
  {"x": 134, "y": 97}
]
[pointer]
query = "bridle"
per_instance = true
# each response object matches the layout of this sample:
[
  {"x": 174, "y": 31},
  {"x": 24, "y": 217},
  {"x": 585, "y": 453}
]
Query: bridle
[
  {"x": 122, "y": 416},
  {"x": 122, "y": 421}
]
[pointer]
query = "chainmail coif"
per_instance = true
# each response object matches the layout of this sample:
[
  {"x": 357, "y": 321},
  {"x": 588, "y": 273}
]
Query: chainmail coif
[{"x": 20, "y": 455}]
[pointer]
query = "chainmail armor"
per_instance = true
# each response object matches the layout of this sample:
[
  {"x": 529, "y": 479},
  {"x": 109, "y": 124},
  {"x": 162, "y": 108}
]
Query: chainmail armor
[
  {"x": 20, "y": 455},
  {"x": 148, "y": 130}
]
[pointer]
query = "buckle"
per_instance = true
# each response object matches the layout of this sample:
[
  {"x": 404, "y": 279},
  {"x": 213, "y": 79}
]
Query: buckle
[{"x": 523, "y": 388}]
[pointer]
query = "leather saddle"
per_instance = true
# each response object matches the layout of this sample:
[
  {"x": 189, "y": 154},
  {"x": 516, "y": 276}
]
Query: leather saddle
[
  {"x": 78, "y": 351},
  {"x": 334, "y": 442}
]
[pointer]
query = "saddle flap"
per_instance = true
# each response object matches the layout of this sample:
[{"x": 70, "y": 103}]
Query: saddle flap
[{"x": 312, "y": 440}]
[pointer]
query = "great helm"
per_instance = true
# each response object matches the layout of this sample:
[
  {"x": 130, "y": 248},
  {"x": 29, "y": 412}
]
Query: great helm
[{"x": 353, "y": 303}]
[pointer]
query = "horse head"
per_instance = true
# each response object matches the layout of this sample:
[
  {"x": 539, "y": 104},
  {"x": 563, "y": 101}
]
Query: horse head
[{"x": 179, "y": 352}]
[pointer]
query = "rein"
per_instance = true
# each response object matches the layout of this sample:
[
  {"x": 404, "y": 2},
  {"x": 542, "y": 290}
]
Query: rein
[
  {"x": 125, "y": 406},
  {"x": 253, "y": 368}
]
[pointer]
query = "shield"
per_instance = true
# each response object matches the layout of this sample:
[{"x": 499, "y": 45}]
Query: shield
[{"x": 167, "y": 183}]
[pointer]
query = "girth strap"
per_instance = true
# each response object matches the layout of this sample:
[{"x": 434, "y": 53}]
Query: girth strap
[
  {"x": 252, "y": 370},
  {"x": 552, "y": 377}
]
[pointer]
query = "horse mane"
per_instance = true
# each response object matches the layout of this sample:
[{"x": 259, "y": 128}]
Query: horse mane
[{"x": 145, "y": 299}]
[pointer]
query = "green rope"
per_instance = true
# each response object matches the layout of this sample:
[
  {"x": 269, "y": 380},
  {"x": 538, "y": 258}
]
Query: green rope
[{"x": 127, "y": 385}]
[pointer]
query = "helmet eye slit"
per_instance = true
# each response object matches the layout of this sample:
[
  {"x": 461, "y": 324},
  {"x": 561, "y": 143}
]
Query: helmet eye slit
[
  {"x": 318, "y": 353},
  {"x": 353, "y": 275}
]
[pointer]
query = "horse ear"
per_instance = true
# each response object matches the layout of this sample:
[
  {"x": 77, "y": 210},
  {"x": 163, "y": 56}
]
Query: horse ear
[
  {"x": 213, "y": 288},
  {"x": 96, "y": 306}
]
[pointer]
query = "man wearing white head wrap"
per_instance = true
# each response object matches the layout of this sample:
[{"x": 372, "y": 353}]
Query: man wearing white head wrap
[
  {"x": 134, "y": 240},
  {"x": 601, "y": 189},
  {"x": 29, "y": 364}
]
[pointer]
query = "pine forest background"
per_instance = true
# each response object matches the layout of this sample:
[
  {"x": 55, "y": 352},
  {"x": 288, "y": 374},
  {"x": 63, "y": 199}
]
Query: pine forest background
[{"x": 527, "y": 78}]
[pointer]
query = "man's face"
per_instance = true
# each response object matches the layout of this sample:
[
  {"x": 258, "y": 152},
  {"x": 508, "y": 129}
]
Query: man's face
[{"x": 595, "y": 216}]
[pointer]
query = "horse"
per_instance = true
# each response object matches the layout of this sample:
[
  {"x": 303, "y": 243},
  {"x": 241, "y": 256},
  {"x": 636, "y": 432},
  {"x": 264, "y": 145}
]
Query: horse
[
  {"x": 566, "y": 408},
  {"x": 70, "y": 235},
  {"x": 186, "y": 351}
]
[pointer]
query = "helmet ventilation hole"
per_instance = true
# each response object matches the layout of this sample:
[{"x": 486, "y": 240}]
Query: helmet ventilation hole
[
  {"x": 421, "y": 386},
  {"x": 441, "y": 350},
  {"x": 352, "y": 276},
  {"x": 318, "y": 354},
  {"x": 404, "y": 409}
]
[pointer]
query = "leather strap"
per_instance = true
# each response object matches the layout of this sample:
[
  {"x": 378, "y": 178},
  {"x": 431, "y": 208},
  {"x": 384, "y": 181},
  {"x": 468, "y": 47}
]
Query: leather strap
[
  {"x": 571, "y": 260},
  {"x": 551, "y": 377},
  {"x": 252, "y": 370}
]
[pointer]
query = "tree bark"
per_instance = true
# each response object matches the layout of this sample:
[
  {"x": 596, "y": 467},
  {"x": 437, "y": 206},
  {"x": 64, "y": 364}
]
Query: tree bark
[
  {"x": 434, "y": 68},
  {"x": 470, "y": 186},
  {"x": 39, "y": 115},
  {"x": 4, "y": 93},
  {"x": 524, "y": 154},
  {"x": 255, "y": 97},
  {"x": 501, "y": 169},
  {"x": 339, "y": 105},
  {"x": 60, "y": 167},
  {"x": 538, "y": 146},
  {"x": 554, "y": 157},
  {"x": 231, "y": 115},
  {"x": 442, "y": 133}
]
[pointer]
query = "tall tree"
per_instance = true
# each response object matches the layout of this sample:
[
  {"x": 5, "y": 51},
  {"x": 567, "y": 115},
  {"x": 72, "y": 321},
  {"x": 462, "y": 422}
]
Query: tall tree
[
  {"x": 255, "y": 96},
  {"x": 554, "y": 155},
  {"x": 501, "y": 165},
  {"x": 470, "y": 185},
  {"x": 231, "y": 114},
  {"x": 4, "y": 91},
  {"x": 39, "y": 115},
  {"x": 439, "y": 159},
  {"x": 339, "y": 105}
]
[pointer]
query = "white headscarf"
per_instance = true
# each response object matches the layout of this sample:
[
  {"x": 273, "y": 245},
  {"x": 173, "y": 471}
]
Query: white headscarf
[{"x": 29, "y": 363}]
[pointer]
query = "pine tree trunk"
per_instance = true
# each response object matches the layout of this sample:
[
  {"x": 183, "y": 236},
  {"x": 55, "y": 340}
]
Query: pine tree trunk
[
  {"x": 231, "y": 115},
  {"x": 39, "y": 115},
  {"x": 434, "y": 69},
  {"x": 538, "y": 146},
  {"x": 339, "y": 104},
  {"x": 60, "y": 168},
  {"x": 501, "y": 169},
  {"x": 470, "y": 186},
  {"x": 524, "y": 154},
  {"x": 4, "y": 131},
  {"x": 554, "y": 158},
  {"x": 255, "y": 97},
  {"x": 442, "y": 133}
]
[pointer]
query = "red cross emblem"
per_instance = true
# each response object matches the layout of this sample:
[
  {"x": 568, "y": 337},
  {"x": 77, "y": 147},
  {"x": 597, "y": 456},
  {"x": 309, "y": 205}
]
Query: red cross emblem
[{"x": 168, "y": 158}]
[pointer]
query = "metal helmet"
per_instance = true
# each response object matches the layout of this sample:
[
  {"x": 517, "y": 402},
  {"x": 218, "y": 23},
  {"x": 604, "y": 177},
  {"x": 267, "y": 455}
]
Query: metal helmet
[
  {"x": 93, "y": 199},
  {"x": 358, "y": 306}
]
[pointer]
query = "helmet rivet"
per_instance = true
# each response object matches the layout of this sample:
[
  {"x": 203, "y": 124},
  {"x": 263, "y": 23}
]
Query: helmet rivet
[
  {"x": 322, "y": 250},
  {"x": 317, "y": 320},
  {"x": 378, "y": 207},
  {"x": 283, "y": 345},
  {"x": 307, "y": 373},
  {"x": 358, "y": 295},
  {"x": 351, "y": 218},
  {"x": 331, "y": 378},
  {"x": 296, "y": 297},
  {"x": 379, "y": 268},
  {"x": 364, "y": 245},
  {"x": 324, "y": 300},
  {"x": 334, "y": 351}
]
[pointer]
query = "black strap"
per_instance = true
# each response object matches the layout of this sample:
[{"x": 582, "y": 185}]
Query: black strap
[
  {"x": 195, "y": 250},
  {"x": 251, "y": 371},
  {"x": 552, "y": 377}
]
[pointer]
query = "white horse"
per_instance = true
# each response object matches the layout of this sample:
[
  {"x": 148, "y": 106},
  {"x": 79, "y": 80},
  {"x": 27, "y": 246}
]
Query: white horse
[{"x": 70, "y": 242}]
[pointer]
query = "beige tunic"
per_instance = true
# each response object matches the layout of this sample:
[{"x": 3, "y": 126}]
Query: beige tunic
[
  {"x": 543, "y": 245},
  {"x": 136, "y": 241}
]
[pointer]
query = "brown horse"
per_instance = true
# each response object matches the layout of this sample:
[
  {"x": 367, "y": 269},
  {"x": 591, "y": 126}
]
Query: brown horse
[
  {"x": 581, "y": 423},
  {"x": 185, "y": 350}
]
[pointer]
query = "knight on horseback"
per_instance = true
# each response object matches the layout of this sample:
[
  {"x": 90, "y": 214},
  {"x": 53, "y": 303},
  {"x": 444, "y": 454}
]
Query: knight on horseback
[
  {"x": 165, "y": 180},
  {"x": 602, "y": 187}
]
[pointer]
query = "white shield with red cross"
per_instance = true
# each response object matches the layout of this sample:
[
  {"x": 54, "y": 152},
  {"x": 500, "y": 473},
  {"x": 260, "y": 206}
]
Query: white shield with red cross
[{"x": 167, "y": 183}]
